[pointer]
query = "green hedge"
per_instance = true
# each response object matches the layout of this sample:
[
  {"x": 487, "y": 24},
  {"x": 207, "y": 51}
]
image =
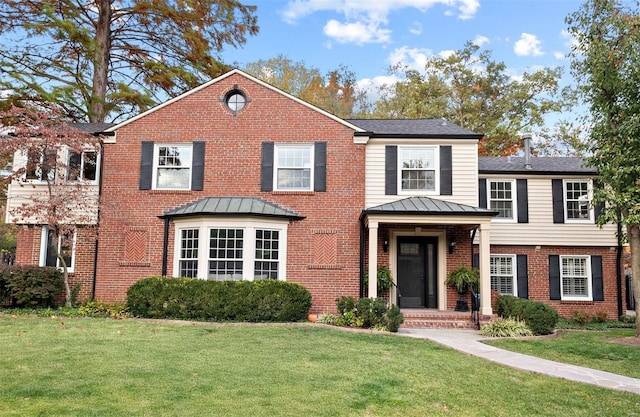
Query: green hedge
[
  {"x": 30, "y": 286},
  {"x": 194, "y": 299},
  {"x": 539, "y": 317}
]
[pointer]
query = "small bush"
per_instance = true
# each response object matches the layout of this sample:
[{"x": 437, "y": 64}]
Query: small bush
[
  {"x": 627, "y": 319},
  {"x": 508, "y": 327},
  {"x": 580, "y": 318},
  {"x": 345, "y": 304},
  {"x": 599, "y": 316},
  {"x": 539, "y": 317},
  {"x": 368, "y": 313},
  {"x": 327, "y": 318},
  {"x": 193, "y": 299},
  {"x": 31, "y": 286},
  {"x": 394, "y": 318},
  {"x": 105, "y": 310}
]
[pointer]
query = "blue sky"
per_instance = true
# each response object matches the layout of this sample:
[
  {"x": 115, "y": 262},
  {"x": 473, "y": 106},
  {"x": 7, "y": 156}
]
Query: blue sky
[{"x": 368, "y": 36}]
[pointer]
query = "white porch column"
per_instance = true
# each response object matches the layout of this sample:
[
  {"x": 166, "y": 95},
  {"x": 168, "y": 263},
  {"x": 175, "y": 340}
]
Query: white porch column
[
  {"x": 485, "y": 270},
  {"x": 373, "y": 259}
]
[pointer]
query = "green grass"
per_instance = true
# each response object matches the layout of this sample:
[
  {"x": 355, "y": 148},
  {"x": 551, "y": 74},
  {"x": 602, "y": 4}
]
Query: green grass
[
  {"x": 99, "y": 367},
  {"x": 583, "y": 348}
]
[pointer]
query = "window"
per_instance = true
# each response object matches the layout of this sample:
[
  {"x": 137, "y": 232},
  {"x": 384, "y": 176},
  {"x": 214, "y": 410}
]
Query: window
[
  {"x": 172, "y": 167},
  {"x": 501, "y": 198},
  {"x": 235, "y": 101},
  {"x": 188, "y": 263},
  {"x": 418, "y": 167},
  {"x": 226, "y": 254},
  {"x": 503, "y": 276},
  {"x": 233, "y": 249},
  {"x": 41, "y": 165},
  {"x": 577, "y": 200},
  {"x": 575, "y": 277},
  {"x": 82, "y": 166},
  {"x": 51, "y": 246},
  {"x": 294, "y": 167}
]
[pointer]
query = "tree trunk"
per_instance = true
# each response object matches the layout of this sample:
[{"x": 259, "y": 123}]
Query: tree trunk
[
  {"x": 97, "y": 111},
  {"x": 633, "y": 234}
]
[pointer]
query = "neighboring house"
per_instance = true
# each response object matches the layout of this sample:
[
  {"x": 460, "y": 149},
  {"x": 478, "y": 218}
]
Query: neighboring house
[{"x": 239, "y": 180}]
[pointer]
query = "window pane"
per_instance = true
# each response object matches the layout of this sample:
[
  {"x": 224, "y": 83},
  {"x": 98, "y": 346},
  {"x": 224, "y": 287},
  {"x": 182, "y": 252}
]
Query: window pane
[
  {"x": 89, "y": 168},
  {"x": 575, "y": 277},
  {"x": 188, "y": 262},
  {"x": 502, "y": 274},
  {"x": 294, "y": 178},
  {"x": 266, "y": 256},
  {"x": 418, "y": 169},
  {"x": 173, "y": 167},
  {"x": 225, "y": 264},
  {"x": 577, "y": 198},
  {"x": 501, "y": 198},
  {"x": 293, "y": 170}
]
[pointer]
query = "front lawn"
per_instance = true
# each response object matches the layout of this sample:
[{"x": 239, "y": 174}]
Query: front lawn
[
  {"x": 98, "y": 367},
  {"x": 584, "y": 348}
]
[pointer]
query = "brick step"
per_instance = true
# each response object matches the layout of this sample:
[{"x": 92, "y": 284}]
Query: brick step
[
  {"x": 438, "y": 324},
  {"x": 435, "y": 319}
]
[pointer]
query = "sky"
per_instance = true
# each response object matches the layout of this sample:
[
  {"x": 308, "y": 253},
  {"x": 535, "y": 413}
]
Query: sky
[{"x": 369, "y": 36}]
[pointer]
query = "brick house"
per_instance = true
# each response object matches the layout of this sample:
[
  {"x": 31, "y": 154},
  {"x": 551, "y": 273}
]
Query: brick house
[{"x": 238, "y": 180}]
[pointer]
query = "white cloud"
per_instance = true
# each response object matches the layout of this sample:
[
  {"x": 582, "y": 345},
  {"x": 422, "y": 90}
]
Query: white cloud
[
  {"x": 365, "y": 21},
  {"x": 416, "y": 28},
  {"x": 559, "y": 55},
  {"x": 528, "y": 45},
  {"x": 410, "y": 58},
  {"x": 357, "y": 32},
  {"x": 480, "y": 40}
]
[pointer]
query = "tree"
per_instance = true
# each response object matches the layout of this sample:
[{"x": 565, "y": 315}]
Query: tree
[
  {"x": 606, "y": 58},
  {"x": 108, "y": 59},
  {"x": 337, "y": 92},
  {"x": 471, "y": 90},
  {"x": 58, "y": 164}
]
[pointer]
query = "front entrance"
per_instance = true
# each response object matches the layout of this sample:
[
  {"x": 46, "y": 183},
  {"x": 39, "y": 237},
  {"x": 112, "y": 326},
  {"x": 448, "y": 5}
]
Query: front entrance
[{"x": 417, "y": 270}]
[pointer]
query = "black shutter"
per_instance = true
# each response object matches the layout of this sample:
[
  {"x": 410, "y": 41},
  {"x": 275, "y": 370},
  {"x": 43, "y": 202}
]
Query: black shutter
[
  {"x": 391, "y": 170},
  {"x": 197, "y": 166},
  {"x": 523, "y": 276},
  {"x": 482, "y": 193},
  {"x": 266, "y": 173},
  {"x": 446, "y": 181},
  {"x": 597, "y": 284},
  {"x": 554, "y": 277},
  {"x": 475, "y": 261},
  {"x": 146, "y": 166},
  {"x": 320, "y": 166},
  {"x": 600, "y": 206},
  {"x": 523, "y": 201},
  {"x": 557, "y": 194}
]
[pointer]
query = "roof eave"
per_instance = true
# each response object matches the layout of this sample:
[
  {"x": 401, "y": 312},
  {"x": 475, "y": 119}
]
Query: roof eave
[
  {"x": 203, "y": 214},
  {"x": 534, "y": 172}
]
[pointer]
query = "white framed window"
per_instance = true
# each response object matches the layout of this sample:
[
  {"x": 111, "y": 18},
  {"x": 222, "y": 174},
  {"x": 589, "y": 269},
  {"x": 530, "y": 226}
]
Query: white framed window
[
  {"x": 172, "y": 166},
  {"x": 40, "y": 166},
  {"x": 418, "y": 168},
  {"x": 575, "y": 278},
  {"x": 231, "y": 249},
  {"x": 293, "y": 170},
  {"x": 503, "y": 274},
  {"x": 82, "y": 166},
  {"x": 501, "y": 195},
  {"x": 577, "y": 200},
  {"x": 50, "y": 246}
]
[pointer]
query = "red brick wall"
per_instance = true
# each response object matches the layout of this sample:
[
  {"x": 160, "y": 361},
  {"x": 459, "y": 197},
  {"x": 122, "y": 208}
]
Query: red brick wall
[
  {"x": 538, "y": 272},
  {"x": 232, "y": 168}
]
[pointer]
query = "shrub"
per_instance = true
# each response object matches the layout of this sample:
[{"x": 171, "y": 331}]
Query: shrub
[
  {"x": 580, "y": 318},
  {"x": 345, "y": 304},
  {"x": 327, "y": 318},
  {"x": 394, "y": 318},
  {"x": 508, "y": 327},
  {"x": 600, "y": 316},
  {"x": 31, "y": 286},
  {"x": 627, "y": 319},
  {"x": 105, "y": 310},
  {"x": 193, "y": 299},
  {"x": 539, "y": 317},
  {"x": 369, "y": 313}
]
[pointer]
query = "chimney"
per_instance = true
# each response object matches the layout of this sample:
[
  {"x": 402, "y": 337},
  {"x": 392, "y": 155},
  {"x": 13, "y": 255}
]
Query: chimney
[{"x": 527, "y": 150}]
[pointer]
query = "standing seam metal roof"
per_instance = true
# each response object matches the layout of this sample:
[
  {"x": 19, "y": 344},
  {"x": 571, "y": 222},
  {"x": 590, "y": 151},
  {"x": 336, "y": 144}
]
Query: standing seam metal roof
[
  {"x": 231, "y": 206},
  {"x": 426, "y": 205}
]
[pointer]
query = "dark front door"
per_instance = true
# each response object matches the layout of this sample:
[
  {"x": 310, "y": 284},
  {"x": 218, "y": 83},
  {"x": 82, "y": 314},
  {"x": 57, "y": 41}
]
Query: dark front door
[{"x": 417, "y": 271}]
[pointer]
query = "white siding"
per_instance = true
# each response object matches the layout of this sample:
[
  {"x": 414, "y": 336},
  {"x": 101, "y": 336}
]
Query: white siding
[
  {"x": 464, "y": 171},
  {"x": 542, "y": 231}
]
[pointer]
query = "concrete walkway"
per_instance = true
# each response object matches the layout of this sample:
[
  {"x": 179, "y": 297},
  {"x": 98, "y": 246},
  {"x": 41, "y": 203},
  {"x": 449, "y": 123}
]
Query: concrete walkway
[{"x": 469, "y": 341}]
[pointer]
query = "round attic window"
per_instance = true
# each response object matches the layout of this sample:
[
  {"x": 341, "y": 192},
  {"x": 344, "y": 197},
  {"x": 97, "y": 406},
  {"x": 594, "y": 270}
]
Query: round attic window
[{"x": 235, "y": 100}]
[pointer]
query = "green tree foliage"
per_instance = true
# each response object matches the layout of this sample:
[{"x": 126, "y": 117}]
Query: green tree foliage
[
  {"x": 477, "y": 93},
  {"x": 606, "y": 58},
  {"x": 335, "y": 92},
  {"x": 106, "y": 59}
]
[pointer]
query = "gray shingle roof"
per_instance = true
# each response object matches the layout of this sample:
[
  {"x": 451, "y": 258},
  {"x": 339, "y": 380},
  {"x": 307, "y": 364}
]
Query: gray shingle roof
[
  {"x": 92, "y": 127},
  {"x": 413, "y": 127},
  {"x": 539, "y": 165},
  {"x": 426, "y": 205},
  {"x": 242, "y": 206}
]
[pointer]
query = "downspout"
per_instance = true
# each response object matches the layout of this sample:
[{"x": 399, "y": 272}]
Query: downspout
[
  {"x": 95, "y": 248},
  {"x": 362, "y": 245},
  {"x": 165, "y": 246},
  {"x": 619, "y": 267},
  {"x": 473, "y": 237}
]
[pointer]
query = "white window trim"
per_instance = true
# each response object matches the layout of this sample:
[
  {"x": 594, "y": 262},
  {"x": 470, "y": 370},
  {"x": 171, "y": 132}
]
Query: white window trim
[
  {"x": 589, "y": 193},
  {"x": 44, "y": 240},
  {"x": 156, "y": 157},
  {"x": 589, "y": 297},
  {"x": 514, "y": 266},
  {"x": 83, "y": 181},
  {"x": 436, "y": 169},
  {"x": 24, "y": 156},
  {"x": 514, "y": 199},
  {"x": 276, "y": 166},
  {"x": 249, "y": 225}
]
